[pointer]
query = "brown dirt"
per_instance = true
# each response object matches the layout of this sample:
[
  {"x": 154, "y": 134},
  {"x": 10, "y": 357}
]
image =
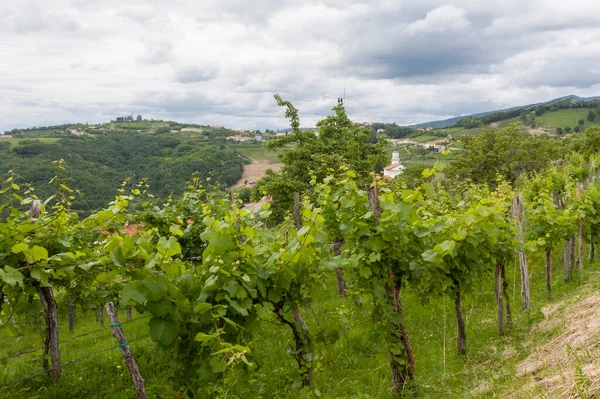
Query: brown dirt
[
  {"x": 568, "y": 366},
  {"x": 539, "y": 132},
  {"x": 256, "y": 170}
]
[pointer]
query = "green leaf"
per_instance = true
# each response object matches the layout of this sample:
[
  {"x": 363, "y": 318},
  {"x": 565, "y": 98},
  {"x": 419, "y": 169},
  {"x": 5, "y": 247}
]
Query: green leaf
[
  {"x": 116, "y": 257},
  {"x": 156, "y": 289},
  {"x": 176, "y": 230},
  {"x": 430, "y": 255},
  {"x": 303, "y": 231},
  {"x": 11, "y": 276},
  {"x": 240, "y": 309},
  {"x": 39, "y": 253},
  {"x": 40, "y": 275},
  {"x": 201, "y": 337},
  {"x": 168, "y": 248},
  {"x": 218, "y": 365},
  {"x": 365, "y": 272},
  {"x": 159, "y": 308},
  {"x": 131, "y": 294},
  {"x": 151, "y": 261},
  {"x": 202, "y": 307},
  {"x": 448, "y": 246},
  {"x": 173, "y": 269},
  {"x": 163, "y": 331},
  {"x": 21, "y": 247},
  {"x": 429, "y": 189}
]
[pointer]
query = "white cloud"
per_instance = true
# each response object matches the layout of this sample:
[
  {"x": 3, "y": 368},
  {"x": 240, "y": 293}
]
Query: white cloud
[
  {"x": 220, "y": 62},
  {"x": 442, "y": 19}
]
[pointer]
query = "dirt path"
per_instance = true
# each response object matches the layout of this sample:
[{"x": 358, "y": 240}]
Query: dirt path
[
  {"x": 256, "y": 170},
  {"x": 567, "y": 366}
]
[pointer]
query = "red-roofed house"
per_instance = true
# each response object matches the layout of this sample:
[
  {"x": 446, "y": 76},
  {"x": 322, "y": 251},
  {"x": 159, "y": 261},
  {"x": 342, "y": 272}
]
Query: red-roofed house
[{"x": 395, "y": 168}]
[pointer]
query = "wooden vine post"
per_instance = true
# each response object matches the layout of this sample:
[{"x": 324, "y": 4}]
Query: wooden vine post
[
  {"x": 499, "y": 298},
  {"x": 505, "y": 288},
  {"x": 136, "y": 377},
  {"x": 71, "y": 311},
  {"x": 549, "y": 271},
  {"x": 51, "y": 342},
  {"x": 518, "y": 215},
  {"x": 581, "y": 243},
  {"x": 502, "y": 298},
  {"x": 461, "y": 332},
  {"x": 567, "y": 260},
  {"x": 342, "y": 283},
  {"x": 403, "y": 363}
]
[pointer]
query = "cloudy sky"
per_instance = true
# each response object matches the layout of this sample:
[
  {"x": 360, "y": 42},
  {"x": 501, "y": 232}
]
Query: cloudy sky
[{"x": 221, "y": 61}]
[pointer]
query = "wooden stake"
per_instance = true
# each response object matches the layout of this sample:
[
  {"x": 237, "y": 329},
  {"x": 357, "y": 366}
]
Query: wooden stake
[
  {"x": 136, "y": 377},
  {"x": 518, "y": 214},
  {"x": 567, "y": 261},
  {"x": 342, "y": 284},
  {"x": 297, "y": 216},
  {"x": 506, "y": 297},
  {"x": 71, "y": 311},
  {"x": 461, "y": 335},
  {"x": 51, "y": 344},
  {"x": 581, "y": 243},
  {"x": 549, "y": 271},
  {"x": 100, "y": 315},
  {"x": 499, "y": 298}
]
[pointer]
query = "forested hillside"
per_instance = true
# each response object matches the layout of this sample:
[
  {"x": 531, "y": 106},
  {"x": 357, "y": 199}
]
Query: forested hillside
[{"x": 99, "y": 163}]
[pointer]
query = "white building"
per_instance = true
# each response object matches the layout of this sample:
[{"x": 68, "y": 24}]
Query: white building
[{"x": 395, "y": 168}]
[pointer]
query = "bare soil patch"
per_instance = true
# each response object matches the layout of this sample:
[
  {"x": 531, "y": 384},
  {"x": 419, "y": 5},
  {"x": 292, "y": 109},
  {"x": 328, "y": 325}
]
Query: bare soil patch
[
  {"x": 539, "y": 132},
  {"x": 256, "y": 170},
  {"x": 568, "y": 366}
]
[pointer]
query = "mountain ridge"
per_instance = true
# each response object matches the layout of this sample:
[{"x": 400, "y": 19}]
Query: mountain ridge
[{"x": 451, "y": 121}]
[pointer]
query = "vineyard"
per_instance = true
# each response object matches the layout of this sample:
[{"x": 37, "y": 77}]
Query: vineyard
[{"x": 218, "y": 301}]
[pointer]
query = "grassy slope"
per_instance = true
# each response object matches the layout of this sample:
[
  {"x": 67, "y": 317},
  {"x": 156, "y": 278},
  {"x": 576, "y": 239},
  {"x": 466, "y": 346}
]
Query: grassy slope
[
  {"x": 259, "y": 152},
  {"x": 566, "y": 117},
  {"x": 13, "y": 141},
  {"x": 424, "y": 138},
  {"x": 356, "y": 366}
]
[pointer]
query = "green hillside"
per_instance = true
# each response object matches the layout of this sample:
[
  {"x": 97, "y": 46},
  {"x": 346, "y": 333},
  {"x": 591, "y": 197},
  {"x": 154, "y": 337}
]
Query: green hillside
[
  {"x": 565, "y": 117},
  {"x": 98, "y": 163}
]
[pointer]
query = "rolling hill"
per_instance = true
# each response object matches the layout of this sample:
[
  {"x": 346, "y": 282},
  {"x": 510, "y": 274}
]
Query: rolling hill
[{"x": 560, "y": 122}]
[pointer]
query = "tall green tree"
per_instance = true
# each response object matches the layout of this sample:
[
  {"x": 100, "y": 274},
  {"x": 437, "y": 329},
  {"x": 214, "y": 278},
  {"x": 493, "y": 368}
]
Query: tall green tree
[
  {"x": 317, "y": 154},
  {"x": 508, "y": 152}
]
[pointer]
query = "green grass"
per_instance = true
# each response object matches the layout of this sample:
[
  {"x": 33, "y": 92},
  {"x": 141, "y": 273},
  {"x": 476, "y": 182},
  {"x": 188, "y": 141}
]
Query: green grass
[
  {"x": 349, "y": 347},
  {"x": 424, "y": 138},
  {"x": 449, "y": 130},
  {"x": 99, "y": 376},
  {"x": 15, "y": 141},
  {"x": 566, "y": 117},
  {"x": 259, "y": 152},
  {"x": 508, "y": 122}
]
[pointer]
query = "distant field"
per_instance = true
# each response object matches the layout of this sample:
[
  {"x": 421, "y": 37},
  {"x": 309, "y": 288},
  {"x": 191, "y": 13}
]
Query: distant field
[
  {"x": 450, "y": 130},
  {"x": 425, "y": 138},
  {"x": 47, "y": 140},
  {"x": 259, "y": 152},
  {"x": 566, "y": 117},
  {"x": 508, "y": 122}
]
